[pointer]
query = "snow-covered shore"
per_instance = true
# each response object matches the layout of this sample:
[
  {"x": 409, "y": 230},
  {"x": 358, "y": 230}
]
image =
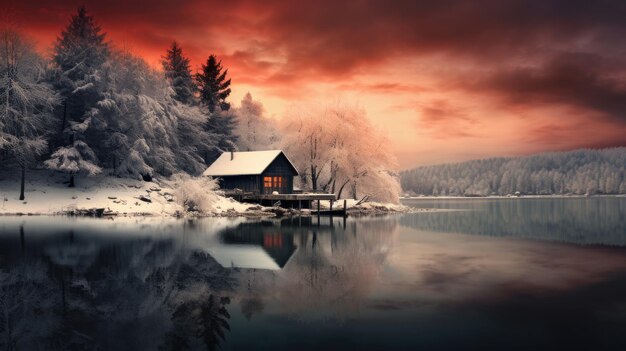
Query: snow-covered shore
[{"x": 47, "y": 193}]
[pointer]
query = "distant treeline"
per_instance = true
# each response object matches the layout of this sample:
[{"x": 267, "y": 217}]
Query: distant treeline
[{"x": 579, "y": 172}]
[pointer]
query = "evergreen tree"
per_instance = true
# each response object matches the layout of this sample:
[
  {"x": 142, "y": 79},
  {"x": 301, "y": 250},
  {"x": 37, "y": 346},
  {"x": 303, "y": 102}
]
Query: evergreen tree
[
  {"x": 79, "y": 53},
  {"x": 221, "y": 126},
  {"x": 214, "y": 89},
  {"x": 178, "y": 73},
  {"x": 213, "y": 85}
]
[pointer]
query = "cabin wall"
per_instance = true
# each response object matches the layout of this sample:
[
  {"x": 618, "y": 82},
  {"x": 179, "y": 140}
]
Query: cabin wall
[
  {"x": 247, "y": 183},
  {"x": 282, "y": 168}
]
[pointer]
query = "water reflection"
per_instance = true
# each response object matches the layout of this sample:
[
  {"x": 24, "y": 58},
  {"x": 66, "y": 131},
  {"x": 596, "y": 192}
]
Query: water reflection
[
  {"x": 89, "y": 284},
  {"x": 595, "y": 220},
  {"x": 368, "y": 283}
]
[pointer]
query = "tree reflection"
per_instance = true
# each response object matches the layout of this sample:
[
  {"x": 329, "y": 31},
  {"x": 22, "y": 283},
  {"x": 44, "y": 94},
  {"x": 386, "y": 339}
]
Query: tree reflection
[
  {"x": 334, "y": 269},
  {"x": 205, "y": 318},
  {"x": 74, "y": 289},
  {"x": 78, "y": 291}
]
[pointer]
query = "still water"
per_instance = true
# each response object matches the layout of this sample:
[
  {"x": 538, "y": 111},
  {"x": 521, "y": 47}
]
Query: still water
[{"x": 505, "y": 274}]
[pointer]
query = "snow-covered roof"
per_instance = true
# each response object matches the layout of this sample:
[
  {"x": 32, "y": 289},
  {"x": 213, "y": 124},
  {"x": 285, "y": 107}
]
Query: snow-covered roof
[{"x": 243, "y": 163}]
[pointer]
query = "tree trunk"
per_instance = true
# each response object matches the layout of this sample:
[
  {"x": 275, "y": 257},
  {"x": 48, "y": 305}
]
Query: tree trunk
[
  {"x": 71, "y": 181},
  {"x": 22, "y": 183},
  {"x": 63, "y": 121},
  {"x": 341, "y": 188},
  {"x": 313, "y": 178}
]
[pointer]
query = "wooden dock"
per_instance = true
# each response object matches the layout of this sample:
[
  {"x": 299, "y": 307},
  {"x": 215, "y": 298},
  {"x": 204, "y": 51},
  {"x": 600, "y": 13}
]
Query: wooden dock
[{"x": 295, "y": 201}]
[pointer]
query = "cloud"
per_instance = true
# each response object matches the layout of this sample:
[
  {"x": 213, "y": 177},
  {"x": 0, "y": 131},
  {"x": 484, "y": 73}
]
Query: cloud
[
  {"x": 443, "y": 120},
  {"x": 580, "y": 80}
]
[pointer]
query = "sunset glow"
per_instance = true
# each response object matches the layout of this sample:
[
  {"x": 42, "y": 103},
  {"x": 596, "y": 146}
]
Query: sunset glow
[{"x": 464, "y": 81}]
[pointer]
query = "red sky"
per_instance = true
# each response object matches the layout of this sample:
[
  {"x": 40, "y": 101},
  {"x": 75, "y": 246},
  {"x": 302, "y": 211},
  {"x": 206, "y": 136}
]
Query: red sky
[{"x": 445, "y": 80}]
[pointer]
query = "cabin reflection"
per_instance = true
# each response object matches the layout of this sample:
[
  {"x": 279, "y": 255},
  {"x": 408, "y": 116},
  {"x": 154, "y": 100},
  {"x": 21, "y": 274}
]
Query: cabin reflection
[{"x": 271, "y": 244}]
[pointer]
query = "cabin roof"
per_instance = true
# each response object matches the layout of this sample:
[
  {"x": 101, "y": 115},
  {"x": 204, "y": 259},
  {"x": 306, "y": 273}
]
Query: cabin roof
[
  {"x": 243, "y": 256},
  {"x": 244, "y": 163}
]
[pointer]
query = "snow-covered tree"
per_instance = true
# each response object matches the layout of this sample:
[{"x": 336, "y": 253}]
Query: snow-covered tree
[
  {"x": 178, "y": 73},
  {"x": 144, "y": 129},
  {"x": 254, "y": 131},
  {"x": 26, "y": 102},
  {"x": 74, "y": 159},
  {"x": 575, "y": 172},
  {"x": 221, "y": 125},
  {"x": 337, "y": 149},
  {"x": 79, "y": 53}
]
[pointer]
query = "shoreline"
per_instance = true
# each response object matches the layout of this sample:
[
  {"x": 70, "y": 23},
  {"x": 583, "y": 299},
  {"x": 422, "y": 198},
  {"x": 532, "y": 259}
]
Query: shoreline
[
  {"x": 510, "y": 197},
  {"x": 47, "y": 194},
  {"x": 263, "y": 212}
]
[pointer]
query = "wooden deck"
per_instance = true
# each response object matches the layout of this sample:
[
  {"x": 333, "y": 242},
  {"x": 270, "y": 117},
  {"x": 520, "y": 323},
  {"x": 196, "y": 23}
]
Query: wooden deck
[
  {"x": 298, "y": 201},
  {"x": 291, "y": 197}
]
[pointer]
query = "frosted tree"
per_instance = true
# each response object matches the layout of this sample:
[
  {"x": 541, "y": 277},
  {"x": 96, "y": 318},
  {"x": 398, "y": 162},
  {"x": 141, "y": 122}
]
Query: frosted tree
[
  {"x": 575, "y": 172},
  {"x": 221, "y": 125},
  {"x": 79, "y": 53},
  {"x": 304, "y": 141},
  {"x": 143, "y": 128},
  {"x": 336, "y": 148},
  {"x": 74, "y": 159},
  {"x": 254, "y": 131},
  {"x": 178, "y": 73},
  {"x": 26, "y": 102},
  {"x": 195, "y": 142}
]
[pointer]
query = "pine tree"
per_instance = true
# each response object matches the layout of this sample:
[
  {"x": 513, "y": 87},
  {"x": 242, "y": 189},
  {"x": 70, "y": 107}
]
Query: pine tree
[
  {"x": 178, "y": 73},
  {"x": 214, "y": 89},
  {"x": 213, "y": 85},
  {"x": 79, "y": 53}
]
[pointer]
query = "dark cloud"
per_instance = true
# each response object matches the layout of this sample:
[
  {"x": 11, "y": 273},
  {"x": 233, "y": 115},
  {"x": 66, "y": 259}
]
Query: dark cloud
[{"x": 586, "y": 81}]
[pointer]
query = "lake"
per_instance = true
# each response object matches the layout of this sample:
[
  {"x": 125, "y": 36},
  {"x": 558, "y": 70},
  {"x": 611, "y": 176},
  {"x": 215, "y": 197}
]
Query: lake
[{"x": 505, "y": 274}]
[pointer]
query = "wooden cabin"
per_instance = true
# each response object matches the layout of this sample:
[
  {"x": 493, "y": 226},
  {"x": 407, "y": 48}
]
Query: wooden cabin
[{"x": 257, "y": 172}]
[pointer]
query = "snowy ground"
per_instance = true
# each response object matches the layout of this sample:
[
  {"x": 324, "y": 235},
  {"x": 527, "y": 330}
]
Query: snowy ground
[
  {"x": 367, "y": 207},
  {"x": 47, "y": 193}
]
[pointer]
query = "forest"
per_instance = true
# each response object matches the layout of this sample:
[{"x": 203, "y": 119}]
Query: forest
[
  {"x": 91, "y": 108},
  {"x": 579, "y": 172}
]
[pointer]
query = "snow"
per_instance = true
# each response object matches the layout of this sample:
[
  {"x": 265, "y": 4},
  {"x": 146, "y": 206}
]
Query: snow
[
  {"x": 243, "y": 163},
  {"x": 369, "y": 205},
  {"x": 46, "y": 193}
]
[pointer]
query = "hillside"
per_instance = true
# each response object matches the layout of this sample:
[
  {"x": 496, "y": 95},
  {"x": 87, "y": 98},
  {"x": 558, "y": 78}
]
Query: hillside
[{"x": 578, "y": 172}]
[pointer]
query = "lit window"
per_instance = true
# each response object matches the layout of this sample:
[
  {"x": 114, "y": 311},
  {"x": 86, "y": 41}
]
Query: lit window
[
  {"x": 278, "y": 182},
  {"x": 267, "y": 182}
]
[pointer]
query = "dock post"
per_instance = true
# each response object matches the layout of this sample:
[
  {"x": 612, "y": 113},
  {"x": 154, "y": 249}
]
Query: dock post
[
  {"x": 318, "y": 213},
  {"x": 331, "y": 206},
  {"x": 345, "y": 208}
]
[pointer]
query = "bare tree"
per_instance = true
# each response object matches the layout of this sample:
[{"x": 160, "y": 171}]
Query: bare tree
[{"x": 26, "y": 102}]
